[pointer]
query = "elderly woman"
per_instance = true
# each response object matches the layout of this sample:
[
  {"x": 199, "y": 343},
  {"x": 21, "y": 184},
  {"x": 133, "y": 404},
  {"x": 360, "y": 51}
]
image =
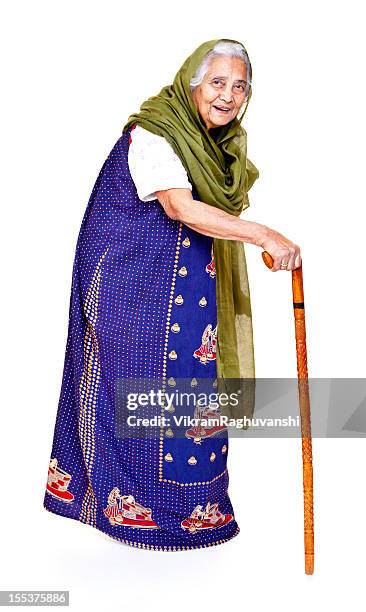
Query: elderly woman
[{"x": 160, "y": 292}]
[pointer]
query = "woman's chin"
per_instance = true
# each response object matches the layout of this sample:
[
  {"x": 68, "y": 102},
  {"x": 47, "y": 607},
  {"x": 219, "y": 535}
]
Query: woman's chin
[
  {"x": 221, "y": 123},
  {"x": 219, "y": 120}
]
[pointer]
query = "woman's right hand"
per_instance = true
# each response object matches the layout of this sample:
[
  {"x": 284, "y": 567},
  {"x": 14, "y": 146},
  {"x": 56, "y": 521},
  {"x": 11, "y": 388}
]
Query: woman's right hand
[{"x": 282, "y": 250}]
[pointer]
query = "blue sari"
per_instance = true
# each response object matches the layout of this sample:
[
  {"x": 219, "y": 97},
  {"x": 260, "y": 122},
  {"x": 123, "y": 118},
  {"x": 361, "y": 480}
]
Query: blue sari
[{"x": 142, "y": 306}]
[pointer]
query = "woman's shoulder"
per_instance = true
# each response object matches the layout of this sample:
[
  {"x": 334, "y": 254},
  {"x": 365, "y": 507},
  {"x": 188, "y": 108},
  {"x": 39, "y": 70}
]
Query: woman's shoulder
[
  {"x": 146, "y": 145},
  {"x": 153, "y": 164},
  {"x": 140, "y": 135}
]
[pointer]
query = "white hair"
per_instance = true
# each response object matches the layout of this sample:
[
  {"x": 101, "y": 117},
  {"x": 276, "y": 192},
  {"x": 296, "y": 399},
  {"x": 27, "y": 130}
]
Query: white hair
[{"x": 221, "y": 48}]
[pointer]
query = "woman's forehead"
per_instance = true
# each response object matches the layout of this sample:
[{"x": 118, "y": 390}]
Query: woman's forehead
[{"x": 227, "y": 66}]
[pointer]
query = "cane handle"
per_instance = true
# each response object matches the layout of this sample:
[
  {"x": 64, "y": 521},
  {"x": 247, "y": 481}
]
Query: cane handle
[{"x": 268, "y": 259}]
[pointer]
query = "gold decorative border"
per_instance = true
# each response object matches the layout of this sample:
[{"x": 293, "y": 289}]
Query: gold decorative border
[
  {"x": 88, "y": 390},
  {"x": 192, "y": 484},
  {"x": 164, "y": 378}
]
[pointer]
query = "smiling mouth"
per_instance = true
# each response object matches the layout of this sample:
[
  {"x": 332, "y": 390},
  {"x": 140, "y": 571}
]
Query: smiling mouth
[{"x": 222, "y": 109}]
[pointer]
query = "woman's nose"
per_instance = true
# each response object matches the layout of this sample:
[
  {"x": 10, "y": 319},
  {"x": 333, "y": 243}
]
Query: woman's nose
[{"x": 226, "y": 94}]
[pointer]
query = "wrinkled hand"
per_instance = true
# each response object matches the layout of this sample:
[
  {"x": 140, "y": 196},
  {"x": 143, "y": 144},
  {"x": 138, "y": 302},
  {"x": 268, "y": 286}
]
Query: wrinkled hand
[{"x": 282, "y": 250}]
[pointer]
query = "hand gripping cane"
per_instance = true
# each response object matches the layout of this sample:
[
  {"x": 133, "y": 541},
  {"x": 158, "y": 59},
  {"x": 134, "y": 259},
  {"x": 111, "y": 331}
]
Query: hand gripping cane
[{"x": 304, "y": 401}]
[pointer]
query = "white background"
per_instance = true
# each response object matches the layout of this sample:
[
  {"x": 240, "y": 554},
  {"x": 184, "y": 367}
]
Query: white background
[{"x": 73, "y": 72}]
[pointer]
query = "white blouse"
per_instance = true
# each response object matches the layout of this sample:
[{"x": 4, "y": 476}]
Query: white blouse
[{"x": 154, "y": 165}]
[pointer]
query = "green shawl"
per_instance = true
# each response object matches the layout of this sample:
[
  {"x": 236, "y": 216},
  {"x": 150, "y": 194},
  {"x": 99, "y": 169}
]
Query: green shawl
[{"x": 217, "y": 166}]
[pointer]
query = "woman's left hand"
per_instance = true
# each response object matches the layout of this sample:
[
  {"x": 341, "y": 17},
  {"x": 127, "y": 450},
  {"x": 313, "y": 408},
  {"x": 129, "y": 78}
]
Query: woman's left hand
[{"x": 286, "y": 254}]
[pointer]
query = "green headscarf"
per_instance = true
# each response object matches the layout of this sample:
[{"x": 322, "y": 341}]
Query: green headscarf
[{"x": 217, "y": 166}]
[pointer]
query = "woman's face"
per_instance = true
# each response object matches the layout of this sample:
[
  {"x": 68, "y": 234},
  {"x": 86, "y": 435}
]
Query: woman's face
[{"x": 222, "y": 92}]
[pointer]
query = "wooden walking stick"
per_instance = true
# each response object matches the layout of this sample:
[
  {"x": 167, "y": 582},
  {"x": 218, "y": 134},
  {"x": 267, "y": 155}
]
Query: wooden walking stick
[{"x": 305, "y": 418}]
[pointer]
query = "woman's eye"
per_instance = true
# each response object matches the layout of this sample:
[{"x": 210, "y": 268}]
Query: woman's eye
[
  {"x": 217, "y": 82},
  {"x": 240, "y": 86}
]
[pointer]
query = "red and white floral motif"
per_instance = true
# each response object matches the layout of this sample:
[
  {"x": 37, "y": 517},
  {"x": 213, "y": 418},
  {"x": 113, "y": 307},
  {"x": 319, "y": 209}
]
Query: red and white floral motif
[
  {"x": 58, "y": 481},
  {"x": 124, "y": 510},
  {"x": 207, "y": 422},
  {"x": 207, "y": 351},
  {"x": 208, "y": 518},
  {"x": 210, "y": 268}
]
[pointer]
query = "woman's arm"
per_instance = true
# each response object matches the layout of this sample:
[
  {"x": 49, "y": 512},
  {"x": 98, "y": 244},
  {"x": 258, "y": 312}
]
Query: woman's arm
[{"x": 211, "y": 221}]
